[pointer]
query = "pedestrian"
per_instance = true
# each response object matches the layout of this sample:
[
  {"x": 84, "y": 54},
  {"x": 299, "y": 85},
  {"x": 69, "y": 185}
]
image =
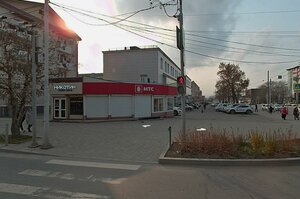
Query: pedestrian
[
  {"x": 28, "y": 120},
  {"x": 271, "y": 109},
  {"x": 296, "y": 113},
  {"x": 284, "y": 112},
  {"x": 256, "y": 110}
]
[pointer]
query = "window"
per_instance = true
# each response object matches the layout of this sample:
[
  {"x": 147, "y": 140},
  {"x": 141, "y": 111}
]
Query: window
[
  {"x": 144, "y": 78},
  {"x": 76, "y": 106},
  {"x": 170, "y": 103},
  {"x": 161, "y": 63},
  {"x": 176, "y": 73},
  {"x": 158, "y": 104},
  {"x": 166, "y": 67}
]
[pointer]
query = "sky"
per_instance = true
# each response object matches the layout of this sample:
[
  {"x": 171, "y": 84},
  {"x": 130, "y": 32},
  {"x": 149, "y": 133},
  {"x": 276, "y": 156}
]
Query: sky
[{"x": 263, "y": 32}]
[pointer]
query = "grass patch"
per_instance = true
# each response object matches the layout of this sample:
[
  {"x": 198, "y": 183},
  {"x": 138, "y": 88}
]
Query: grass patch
[
  {"x": 16, "y": 139},
  {"x": 215, "y": 143}
]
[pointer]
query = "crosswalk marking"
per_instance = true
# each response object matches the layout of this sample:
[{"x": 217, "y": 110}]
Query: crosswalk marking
[
  {"x": 44, "y": 192},
  {"x": 18, "y": 189},
  {"x": 94, "y": 164},
  {"x": 70, "y": 176}
]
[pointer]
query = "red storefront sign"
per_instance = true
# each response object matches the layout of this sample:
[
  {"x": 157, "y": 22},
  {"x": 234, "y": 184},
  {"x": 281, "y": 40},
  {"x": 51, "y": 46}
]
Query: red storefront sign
[{"x": 106, "y": 88}]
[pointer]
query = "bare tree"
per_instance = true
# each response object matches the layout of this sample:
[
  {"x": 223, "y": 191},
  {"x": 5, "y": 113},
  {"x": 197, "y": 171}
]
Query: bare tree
[
  {"x": 15, "y": 70},
  {"x": 231, "y": 83},
  {"x": 279, "y": 90},
  {"x": 15, "y": 67}
]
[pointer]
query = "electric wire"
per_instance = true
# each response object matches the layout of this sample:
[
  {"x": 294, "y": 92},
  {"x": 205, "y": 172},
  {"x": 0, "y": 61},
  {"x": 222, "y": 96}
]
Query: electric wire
[{"x": 201, "y": 54}]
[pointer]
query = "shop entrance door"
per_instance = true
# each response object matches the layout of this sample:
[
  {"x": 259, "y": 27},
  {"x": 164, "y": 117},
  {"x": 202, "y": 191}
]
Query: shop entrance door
[{"x": 59, "y": 108}]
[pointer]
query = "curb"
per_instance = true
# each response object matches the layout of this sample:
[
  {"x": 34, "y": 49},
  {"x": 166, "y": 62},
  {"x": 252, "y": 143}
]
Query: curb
[
  {"x": 227, "y": 162},
  {"x": 26, "y": 152}
]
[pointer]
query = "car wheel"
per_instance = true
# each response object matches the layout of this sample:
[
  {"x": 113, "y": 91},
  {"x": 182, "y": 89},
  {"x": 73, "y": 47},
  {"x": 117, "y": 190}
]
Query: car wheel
[
  {"x": 175, "y": 113},
  {"x": 232, "y": 112},
  {"x": 248, "y": 112}
]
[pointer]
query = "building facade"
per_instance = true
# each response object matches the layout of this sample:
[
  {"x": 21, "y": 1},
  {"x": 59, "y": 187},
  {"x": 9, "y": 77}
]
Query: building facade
[
  {"x": 141, "y": 64},
  {"x": 293, "y": 84},
  {"x": 89, "y": 99},
  {"x": 25, "y": 18},
  {"x": 196, "y": 93}
]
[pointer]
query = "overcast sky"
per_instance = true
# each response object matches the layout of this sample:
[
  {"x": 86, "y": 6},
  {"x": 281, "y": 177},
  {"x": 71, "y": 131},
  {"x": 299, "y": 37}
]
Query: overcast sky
[{"x": 216, "y": 31}]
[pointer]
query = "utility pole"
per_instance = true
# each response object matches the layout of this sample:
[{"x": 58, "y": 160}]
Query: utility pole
[
  {"x": 33, "y": 100},
  {"x": 268, "y": 84},
  {"x": 182, "y": 66},
  {"x": 46, "y": 144},
  {"x": 297, "y": 90}
]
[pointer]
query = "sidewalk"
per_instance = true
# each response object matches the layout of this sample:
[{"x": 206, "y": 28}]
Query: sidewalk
[
  {"x": 136, "y": 141},
  {"x": 122, "y": 140}
]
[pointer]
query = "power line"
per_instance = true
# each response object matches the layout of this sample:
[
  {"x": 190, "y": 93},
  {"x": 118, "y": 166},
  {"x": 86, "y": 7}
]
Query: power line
[
  {"x": 248, "y": 13},
  {"x": 200, "y": 54},
  {"x": 247, "y": 44}
]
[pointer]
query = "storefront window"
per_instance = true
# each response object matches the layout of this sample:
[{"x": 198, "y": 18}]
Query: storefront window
[
  {"x": 76, "y": 106},
  {"x": 158, "y": 104},
  {"x": 170, "y": 104}
]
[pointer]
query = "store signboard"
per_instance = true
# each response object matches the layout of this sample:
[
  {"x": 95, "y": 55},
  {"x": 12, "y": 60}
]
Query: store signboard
[
  {"x": 141, "y": 89},
  {"x": 66, "y": 88}
]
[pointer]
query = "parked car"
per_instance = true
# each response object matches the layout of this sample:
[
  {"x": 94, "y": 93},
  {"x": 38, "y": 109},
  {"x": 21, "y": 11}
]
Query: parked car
[
  {"x": 241, "y": 108},
  {"x": 264, "y": 107},
  {"x": 221, "y": 106},
  {"x": 188, "y": 107},
  {"x": 177, "y": 110},
  {"x": 277, "y": 107},
  {"x": 214, "y": 104},
  {"x": 229, "y": 107}
]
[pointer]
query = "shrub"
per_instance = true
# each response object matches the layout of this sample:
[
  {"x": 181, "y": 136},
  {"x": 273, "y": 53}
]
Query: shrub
[{"x": 223, "y": 143}]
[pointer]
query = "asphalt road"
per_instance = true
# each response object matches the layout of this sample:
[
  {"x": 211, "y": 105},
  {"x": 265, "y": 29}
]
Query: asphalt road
[
  {"x": 119, "y": 160},
  {"x": 31, "y": 176}
]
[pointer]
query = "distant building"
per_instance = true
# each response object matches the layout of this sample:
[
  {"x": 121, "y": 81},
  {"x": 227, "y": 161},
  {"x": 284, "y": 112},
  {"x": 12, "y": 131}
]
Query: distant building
[
  {"x": 196, "y": 93},
  {"x": 293, "y": 83},
  {"x": 257, "y": 95}
]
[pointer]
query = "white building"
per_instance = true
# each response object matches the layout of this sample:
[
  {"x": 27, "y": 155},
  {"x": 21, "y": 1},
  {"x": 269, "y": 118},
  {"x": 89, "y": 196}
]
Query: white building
[{"x": 145, "y": 65}]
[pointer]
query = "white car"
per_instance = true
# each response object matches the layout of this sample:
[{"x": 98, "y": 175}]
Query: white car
[
  {"x": 229, "y": 107},
  {"x": 264, "y": 107},
  {"x": 241, "y": 108},
  {"x": 177, "y": 110},
  {"x": 221, "y": 106}
]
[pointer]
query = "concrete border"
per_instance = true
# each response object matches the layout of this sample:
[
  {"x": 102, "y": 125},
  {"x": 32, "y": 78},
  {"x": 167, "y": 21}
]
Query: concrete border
[{"x": 227, "y": 162}]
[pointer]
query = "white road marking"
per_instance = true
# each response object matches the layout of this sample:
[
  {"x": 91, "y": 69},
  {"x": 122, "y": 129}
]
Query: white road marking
[
  {"x": 94, "y": 164},
  {"x": 38, "y": 173},
  {"x": 70, "y": 176},
  {"x": 42, "y": 192},
  {"x": 50, "y": 174},
  {"x": 18, "y": 189},
  {"x": 146, "y": 125}
]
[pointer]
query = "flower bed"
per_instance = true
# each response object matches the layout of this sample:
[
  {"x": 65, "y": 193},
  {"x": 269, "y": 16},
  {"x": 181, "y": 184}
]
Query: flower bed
[{"x": 222, "y": 144}]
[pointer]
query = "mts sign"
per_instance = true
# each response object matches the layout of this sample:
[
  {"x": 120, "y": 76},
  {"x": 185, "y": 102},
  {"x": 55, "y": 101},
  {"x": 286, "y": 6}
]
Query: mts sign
[{"x": 144, "y": 89}]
